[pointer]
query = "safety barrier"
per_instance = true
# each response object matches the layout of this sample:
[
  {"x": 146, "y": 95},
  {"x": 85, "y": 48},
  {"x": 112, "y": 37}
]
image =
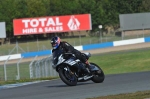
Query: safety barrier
[
  {"x": 10, "y": 57},
  {"x": 33, "y": 54},
  {"x": 81, "y": 48}
]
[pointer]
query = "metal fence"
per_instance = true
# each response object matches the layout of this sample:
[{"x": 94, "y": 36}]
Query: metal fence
[
  {"x": 26, "y": 46},
  {"x": 42, "y": 68},
  {"x": 37, "y": 67}
]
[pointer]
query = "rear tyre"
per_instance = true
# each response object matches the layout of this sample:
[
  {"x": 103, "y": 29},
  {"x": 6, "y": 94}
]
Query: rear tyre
[
  {"x": 98, "y": 75},
  {"x": 67, "y": 77}
]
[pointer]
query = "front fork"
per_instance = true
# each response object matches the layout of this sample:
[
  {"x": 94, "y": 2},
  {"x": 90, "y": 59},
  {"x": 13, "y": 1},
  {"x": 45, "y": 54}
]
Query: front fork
[{"x": 68, "y": 69}]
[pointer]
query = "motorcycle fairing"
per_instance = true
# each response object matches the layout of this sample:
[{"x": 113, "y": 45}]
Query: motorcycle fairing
[
  {"x": 72, "y": 61},
  {"x": 94, "y": 68}
]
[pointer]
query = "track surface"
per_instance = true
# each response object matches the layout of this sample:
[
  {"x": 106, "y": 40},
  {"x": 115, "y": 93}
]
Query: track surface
[{"x": 56, "y": 89}]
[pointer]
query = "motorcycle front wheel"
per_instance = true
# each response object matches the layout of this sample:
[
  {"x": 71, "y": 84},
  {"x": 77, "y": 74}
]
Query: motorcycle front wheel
[
  {"x": 98, "y": 75},
  {"x": 67, "y": 77}
]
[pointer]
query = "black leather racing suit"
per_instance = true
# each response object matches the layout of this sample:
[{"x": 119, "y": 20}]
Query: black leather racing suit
[{"x": 67, "y": 48}]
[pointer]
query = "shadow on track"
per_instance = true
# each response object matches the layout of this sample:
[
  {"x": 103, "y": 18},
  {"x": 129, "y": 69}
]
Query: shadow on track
[{"x": 79, "y": 84}]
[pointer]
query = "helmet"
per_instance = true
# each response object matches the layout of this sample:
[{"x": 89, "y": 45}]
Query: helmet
[{"x": 55, "y": 41}]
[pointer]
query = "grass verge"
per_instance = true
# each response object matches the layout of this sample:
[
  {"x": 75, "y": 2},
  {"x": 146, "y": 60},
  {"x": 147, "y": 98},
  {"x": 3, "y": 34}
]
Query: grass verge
[
  {"x": 25, "y": 80},
  {"x": 136, "y": 95},
  {"x": 123, "y": 62}
]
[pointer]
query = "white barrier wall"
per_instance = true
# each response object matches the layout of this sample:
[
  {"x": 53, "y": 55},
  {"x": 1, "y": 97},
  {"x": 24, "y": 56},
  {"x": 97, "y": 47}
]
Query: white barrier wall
[
  {"x": 130, "y": 41},
  {"x": 80, "y": 48},
  {"x": 14, "y": 56}
]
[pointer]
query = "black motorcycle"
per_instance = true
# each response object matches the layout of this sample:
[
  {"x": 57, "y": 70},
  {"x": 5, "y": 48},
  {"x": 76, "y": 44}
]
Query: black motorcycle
[{"x": 69, "y": 69}]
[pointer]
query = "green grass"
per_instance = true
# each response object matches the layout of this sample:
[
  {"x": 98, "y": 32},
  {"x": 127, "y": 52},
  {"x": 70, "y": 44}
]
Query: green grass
[
  {"x": 25, "y": 80},
  {"x": 123, "y": 62},
  {"x": 136, "y": 95},
  {"x": 11, "y": 71}
]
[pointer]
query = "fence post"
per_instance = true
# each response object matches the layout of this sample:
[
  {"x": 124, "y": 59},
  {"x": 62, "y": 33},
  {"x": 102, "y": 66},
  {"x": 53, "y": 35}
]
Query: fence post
[
  {"x": 35, "y": 67},
  {"x": 50, "y": 68},
  {"x": 38, "y": 44},
  {"x": 5, "y": 71},
  {"x": 80, "y": 37},
  {"x": 46, "y": 65},
  {"x": 18, "y": 69},
  {"x": 43, "y": 65},
  {"x": 122, "y": 35},
  {"x": 39, "y": 69},
  {"x": 30, "y": 67}
]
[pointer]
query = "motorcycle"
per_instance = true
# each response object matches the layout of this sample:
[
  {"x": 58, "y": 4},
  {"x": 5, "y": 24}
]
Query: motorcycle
[{"x": 69, "y": 69}]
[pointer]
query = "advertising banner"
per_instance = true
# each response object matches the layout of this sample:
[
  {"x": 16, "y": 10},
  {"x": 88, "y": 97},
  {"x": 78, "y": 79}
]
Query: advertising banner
[{"x": 52, "y": 24}]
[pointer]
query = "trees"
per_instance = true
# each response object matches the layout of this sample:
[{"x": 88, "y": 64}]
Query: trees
[
  {"x": 7, "y": 14},
  {"x": 105, "y": 12},
  {"x": 145, "y": 6}
]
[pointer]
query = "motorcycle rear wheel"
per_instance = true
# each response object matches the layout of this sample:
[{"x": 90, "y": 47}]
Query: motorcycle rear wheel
[
  {"x": 67, "y": 78},
  {"x": 98, "y": 75}
]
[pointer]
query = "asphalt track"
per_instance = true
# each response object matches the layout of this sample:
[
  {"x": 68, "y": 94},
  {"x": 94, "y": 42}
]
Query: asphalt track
[{"x": 56, "y": 89}]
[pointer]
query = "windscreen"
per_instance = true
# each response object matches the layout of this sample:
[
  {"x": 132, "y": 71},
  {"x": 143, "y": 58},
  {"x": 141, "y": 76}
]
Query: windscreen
[{"x": 56, "y": 54}]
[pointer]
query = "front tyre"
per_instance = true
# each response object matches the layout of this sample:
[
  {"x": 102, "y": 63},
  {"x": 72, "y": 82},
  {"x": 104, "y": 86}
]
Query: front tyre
[
  {"x": 67, "y": 77},
  {"x": 98, "y": 75}
]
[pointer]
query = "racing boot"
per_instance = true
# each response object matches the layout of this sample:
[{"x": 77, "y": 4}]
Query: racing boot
[
  {"x": 89, "y": 66},
  {"x": 85, "y": 70}
]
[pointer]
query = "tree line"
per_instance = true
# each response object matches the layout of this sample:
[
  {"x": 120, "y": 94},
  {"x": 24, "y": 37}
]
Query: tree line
[{"x": 104, "y": 12}]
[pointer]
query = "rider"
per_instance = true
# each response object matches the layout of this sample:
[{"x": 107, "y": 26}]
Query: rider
[{"x": 67, "y": 48}]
